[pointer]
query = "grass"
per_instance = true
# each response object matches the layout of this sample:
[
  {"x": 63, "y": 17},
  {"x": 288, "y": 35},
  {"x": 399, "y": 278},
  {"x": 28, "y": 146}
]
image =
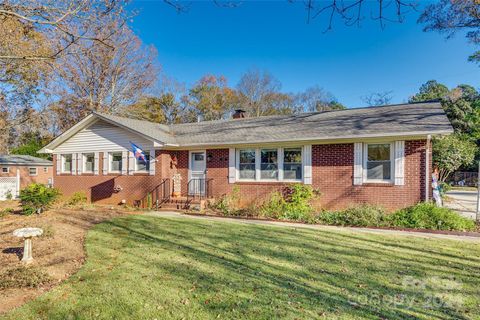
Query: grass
[{"x": 144, "y": 267}]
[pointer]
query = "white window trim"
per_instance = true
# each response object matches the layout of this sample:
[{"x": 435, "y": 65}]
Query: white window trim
[
  {"x": 36, "y": 171},
  {"x": 110, "y": 159},
  {"x": 8, "y": 169},
  {"x": 392, "y": 163},
  {"x": 146, "y": 170},
  {"x": 62, "y": 169},
  {"x": 280, "y": 155},
  {"x": 45, "y": 169},
  {"x": 84, "y": 163}
]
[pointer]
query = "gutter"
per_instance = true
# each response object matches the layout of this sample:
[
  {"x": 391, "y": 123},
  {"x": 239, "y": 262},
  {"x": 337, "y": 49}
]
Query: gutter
[{"x": 427, "y": 168}]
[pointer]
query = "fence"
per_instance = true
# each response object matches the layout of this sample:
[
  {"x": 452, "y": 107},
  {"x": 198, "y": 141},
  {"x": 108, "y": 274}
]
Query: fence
[{"x": 467, "y": 179}]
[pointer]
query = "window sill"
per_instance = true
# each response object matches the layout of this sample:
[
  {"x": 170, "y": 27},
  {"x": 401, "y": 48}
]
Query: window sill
[
  {"x": 264, "y": 182},
  {"x": 379, "y": 184}
]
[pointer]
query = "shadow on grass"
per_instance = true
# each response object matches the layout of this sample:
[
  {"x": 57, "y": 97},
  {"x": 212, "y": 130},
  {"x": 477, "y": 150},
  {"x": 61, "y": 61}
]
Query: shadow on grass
[{"x": 289, "y": 269}]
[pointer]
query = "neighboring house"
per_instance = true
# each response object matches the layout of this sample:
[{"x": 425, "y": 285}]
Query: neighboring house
[
  {"x": 18, "y": 171},
  {"x": 379, "y": 155}
]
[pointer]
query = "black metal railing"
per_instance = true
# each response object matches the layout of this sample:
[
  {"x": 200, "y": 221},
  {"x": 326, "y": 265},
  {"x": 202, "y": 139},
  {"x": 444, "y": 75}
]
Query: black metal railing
[
  {"x": 156, "y": 197},
  {"x": 199, "y": 188}
]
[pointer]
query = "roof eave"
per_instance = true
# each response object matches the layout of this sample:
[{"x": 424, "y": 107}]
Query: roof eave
[{"x": 418, "y": 134}]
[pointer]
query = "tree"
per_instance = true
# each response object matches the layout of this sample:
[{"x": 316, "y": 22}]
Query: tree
[
  {"x": 53, "y": 26},
  {"x": 378, "y": 98},
  {"x": 30, "y": 143},
  {"x": 168, "y": 106},
  {"x": 317, "y": 99},
  {"x": 98, "y": 78},
  {"x": 430, "y": 90},
  {"x": 452, "y": 152},
  {"x": 460, "y": 104},
  {"x": 450, "y": 17},
  {"x": 259, "y": 94},
  {"x": 211, "y": 98}
]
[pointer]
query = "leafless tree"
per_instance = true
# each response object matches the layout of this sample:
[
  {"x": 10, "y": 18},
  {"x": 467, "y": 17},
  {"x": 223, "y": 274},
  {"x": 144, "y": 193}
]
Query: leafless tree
[
  {"x": 378, "y": 98},
  {"x": 317, "y": 98},
  {"x": 97, "y": 78},
  {"x": 259, "y": 93}
]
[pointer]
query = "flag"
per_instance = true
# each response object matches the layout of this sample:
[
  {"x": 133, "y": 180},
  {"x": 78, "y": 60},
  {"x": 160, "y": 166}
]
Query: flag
[{"x": 138, "y": 153}]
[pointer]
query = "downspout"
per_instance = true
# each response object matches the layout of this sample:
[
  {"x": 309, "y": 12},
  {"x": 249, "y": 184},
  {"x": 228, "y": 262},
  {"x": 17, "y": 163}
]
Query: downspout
[{"x": 427, "y": 168}]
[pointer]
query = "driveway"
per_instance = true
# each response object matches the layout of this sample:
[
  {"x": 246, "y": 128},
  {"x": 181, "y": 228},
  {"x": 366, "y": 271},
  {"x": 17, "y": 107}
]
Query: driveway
[{"x": 462, "y": 201}]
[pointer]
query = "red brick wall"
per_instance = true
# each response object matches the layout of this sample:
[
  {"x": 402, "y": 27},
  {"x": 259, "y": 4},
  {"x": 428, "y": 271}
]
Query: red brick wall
[
  {"x": 332, "y": 168},
  {"x": 25, "y": 177},
  {"x": 100, "y": 188}
]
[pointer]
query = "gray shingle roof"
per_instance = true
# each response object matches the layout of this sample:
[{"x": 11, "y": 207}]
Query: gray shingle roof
[
  {"x": 24, "y": 160},
  {"x": 403, "y": 119}
]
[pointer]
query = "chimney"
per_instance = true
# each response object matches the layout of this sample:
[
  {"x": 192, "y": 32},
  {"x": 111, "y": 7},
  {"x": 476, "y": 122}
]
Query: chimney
[{"x": 239, "y": 114}]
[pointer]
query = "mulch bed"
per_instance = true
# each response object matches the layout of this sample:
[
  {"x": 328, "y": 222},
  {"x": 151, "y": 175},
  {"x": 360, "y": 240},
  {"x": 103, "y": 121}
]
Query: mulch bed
[
  {"x": 453, "y": 233},
  {"x": 59, "y": 252}
]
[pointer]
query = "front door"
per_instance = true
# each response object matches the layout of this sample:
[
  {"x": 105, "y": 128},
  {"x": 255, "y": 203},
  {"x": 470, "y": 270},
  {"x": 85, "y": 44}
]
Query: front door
[{"x": 198, "y": 166}]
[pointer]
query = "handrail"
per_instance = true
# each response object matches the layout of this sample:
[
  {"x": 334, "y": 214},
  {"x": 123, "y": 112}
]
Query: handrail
[
  {"x": 157, "y": 196},
  {"x": 199, "y": 188}
]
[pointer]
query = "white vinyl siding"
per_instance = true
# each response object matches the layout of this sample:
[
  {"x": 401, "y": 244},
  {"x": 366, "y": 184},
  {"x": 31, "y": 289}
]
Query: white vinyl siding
[{"x": 102, "y": 136}]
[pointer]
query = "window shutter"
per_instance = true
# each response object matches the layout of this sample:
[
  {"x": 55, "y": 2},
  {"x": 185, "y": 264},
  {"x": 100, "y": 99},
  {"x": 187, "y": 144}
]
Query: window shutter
[
  {"x": 358, "y": 163},
  {"x": 152, "y": 162},
  {"x": 131, "y": 163},
  {"x": 307, "y": 164},
  {"x": 96, "y": 164},
  {"x": 74, "y": 163},
  {"x": 232, "y": 170},
  {"x": 80, "y": 163},
  {"x": 124, "y": 162},
  {"x": 399, "y": 163},
  {"x": 105, "y": 163},
  {"x": 59, "y": 163}
]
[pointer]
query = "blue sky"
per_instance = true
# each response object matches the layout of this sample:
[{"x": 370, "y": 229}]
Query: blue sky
[{"x": 349, "y": 62}]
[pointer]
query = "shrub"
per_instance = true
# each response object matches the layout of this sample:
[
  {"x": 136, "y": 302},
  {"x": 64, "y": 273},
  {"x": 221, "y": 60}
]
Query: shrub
[
  {"x": 291, "y": 203},
  {"x": 428, "y": 216},
  {"x": 36, "y": 198},
  {"x": 77, "y": 198},
  {"x": 6, "y": 212},
  {"x": 359, "y": 216},
  {"x": 22, "y": 277},
  {"x": 228, "y": 204},
  {"x": 9, "y": 195}
]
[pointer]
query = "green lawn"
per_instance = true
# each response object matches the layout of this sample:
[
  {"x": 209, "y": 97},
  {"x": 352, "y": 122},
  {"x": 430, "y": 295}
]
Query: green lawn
[{"x": 144, "y": 267}]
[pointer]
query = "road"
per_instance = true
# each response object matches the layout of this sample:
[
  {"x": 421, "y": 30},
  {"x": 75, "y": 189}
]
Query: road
[{"x": 462, "y": 201}]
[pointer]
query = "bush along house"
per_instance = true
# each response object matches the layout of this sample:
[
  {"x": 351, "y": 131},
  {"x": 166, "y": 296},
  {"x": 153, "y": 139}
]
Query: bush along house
[{"x": 378, "y": 155}]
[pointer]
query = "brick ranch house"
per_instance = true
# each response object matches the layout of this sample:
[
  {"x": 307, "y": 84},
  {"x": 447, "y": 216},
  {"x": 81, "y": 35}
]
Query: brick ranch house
[
  {"x": 379, "y": 155},
  {"x": 18, "y": 171}
]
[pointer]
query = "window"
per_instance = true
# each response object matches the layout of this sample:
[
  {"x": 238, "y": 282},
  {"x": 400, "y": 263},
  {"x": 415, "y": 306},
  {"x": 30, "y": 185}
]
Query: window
[
  {"x": 88, "y": 162},
  {"x": 45, "y": 169},
  {"x": 379, "y": 162},
  {"x": 32, "y": 171},
  {"x": 270, "y": 164},
  {"x": 292, "y": 164},
  {"x": 5, "y": 170},
  {"x": 144, "y": 166},
  {"x": 246, "y": 165},
  {"x": 115, "y": 162},
  {"x": 67, "y": 163}
]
